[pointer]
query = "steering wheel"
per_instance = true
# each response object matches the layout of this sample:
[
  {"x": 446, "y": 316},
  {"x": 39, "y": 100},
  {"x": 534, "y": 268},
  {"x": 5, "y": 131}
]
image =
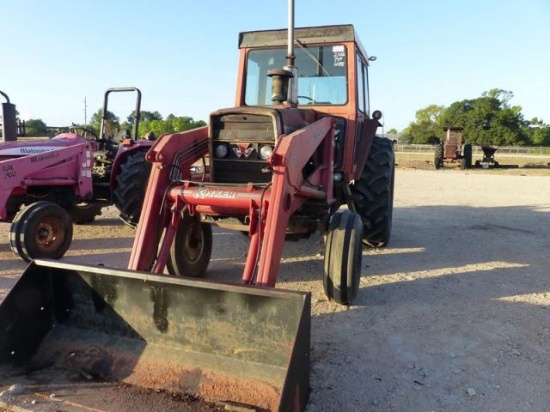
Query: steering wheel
[
  {"x": 89, "y": 134},
  {"x": 309, "y": 99}
]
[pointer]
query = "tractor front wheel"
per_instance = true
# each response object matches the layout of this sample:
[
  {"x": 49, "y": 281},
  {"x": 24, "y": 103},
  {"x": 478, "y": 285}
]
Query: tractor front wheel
[
  {"x": 343, "y": 255},
  {"x": 373, "y": 193},
  {"x": 41, "y": 230},
  {"x": 191, "y": 249},
  {"x": 130, "y": 187},
  {"x": 83, "y": 213}
]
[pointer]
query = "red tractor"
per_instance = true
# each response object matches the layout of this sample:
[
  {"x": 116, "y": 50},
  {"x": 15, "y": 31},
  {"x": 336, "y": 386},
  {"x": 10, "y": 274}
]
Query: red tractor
[
  {"x": 296, "y": 155},
  {"x": 454, "y": 149},
  {"x": 47, "y": 185}
]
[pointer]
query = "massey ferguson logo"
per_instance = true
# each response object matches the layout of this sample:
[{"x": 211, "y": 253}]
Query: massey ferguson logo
[{"x": 243, "y": 149}]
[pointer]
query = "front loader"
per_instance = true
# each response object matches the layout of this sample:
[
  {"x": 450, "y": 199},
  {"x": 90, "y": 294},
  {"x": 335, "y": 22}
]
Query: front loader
[{"x": 296, "y": 155}]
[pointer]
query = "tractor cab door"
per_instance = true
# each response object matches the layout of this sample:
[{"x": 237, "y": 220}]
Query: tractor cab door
[{"x": 365, "y": 125}]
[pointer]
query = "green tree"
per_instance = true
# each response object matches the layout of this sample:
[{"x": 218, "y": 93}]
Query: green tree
[
  {"x": 488, "y": 120},
  {"x": 427, "y": 128},
  {"x": 145, "y": 116},
  {"x": 172, "y": 124},
  {"x": 36, "y": 127},
  {"x": 538, "y": 131},
  {"x": 112, "y": 124}
]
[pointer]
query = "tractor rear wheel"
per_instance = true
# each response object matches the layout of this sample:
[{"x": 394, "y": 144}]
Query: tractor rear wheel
[
  {"x": 343, "y": 255},
  {"x": 130, "y": 186},
  {"x": 466, "y": 161},
  {"x": 191, "y": 249},
  {"x": 373, "y": 193},
  {"x": 41, "y": 230},
  {"x": 438, "y": 157}
]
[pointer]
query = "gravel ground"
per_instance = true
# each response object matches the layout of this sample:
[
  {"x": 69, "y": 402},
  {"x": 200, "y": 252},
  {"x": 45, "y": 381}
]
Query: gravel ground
[{"x": 452, "y": 316}]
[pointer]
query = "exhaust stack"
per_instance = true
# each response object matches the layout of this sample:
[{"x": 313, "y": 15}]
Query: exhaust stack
[
  {"x": 290, "y": 58},
  {"x": 9, "y": 120},
  {"x": 284, "y": 86}
]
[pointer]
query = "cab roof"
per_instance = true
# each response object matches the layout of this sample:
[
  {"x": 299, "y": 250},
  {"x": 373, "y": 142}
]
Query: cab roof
[{"x": 303, "y": 35}]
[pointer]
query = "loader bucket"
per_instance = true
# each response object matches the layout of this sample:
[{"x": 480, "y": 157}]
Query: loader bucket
[{"x": 221, "y": 343}]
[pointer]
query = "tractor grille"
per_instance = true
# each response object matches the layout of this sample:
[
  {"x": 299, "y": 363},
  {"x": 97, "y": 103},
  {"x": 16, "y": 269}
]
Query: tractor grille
[{"x": 237, "y": 141}]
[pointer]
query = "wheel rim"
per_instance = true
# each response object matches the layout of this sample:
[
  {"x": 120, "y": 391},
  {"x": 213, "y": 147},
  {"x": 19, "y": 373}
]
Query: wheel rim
[
  {"x": 194, "y": 243},
  {"x": 49, "y": 235}
]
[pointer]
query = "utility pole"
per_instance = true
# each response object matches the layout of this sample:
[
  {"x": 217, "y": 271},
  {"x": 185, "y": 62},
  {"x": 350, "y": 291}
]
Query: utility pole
[{"x": 85, "y": 113}]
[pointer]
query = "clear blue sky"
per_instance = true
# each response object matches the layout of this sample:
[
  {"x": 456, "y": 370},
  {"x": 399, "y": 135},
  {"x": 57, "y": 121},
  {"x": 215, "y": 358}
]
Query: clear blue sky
[{"x": 182, "y": 54}]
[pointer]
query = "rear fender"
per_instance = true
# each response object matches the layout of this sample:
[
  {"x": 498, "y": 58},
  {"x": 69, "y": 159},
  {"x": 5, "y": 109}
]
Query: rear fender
[
  {"x": 368, "y": 131},
  {"x": 121, "y": 155}
]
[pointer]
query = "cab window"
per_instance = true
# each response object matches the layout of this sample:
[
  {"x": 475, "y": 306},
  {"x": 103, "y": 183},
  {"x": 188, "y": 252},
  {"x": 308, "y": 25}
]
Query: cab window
[{"x": 322, "y": 74}]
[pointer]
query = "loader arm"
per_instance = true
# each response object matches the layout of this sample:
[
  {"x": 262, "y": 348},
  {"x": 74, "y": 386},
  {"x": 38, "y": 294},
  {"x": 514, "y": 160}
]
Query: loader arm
[
  {"x": 291, "y": 189},
  {"x": 267, "y": 207},
  {"x": 182, "y": 149}
]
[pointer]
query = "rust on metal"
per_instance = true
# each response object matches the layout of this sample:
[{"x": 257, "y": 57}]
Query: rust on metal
[{"x": 217, "y": 342}]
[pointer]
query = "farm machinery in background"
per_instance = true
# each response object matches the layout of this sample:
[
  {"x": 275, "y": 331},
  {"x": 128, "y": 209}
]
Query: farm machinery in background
[
  {"x": 46, "y": 185},
  {"x": 296, "y": 155},
  {"x": 489, "y": 162},
  {"x": 453, "y": 149}
]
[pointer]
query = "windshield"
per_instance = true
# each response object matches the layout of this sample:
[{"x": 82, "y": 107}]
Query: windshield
[{"x": 322, "y": 74}]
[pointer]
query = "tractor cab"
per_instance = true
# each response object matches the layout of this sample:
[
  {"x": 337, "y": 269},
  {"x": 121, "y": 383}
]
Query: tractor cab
[{"x": 282, "y": 89}]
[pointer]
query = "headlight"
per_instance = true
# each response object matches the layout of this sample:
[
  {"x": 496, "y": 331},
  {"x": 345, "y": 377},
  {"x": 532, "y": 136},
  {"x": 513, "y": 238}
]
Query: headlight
[
  {"x": 266, "y": 151},
  {"x": 220, "y": 151}
]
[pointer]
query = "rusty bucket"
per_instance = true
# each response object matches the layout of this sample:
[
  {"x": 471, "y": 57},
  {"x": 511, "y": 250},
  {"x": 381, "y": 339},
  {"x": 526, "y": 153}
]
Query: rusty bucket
[{"x": 229, "y": 344}]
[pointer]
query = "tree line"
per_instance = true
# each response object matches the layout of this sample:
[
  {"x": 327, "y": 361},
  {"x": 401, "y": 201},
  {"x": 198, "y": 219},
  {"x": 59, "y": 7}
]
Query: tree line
[
  {"x": 487, "y": 120},
  {"x": 150, "y": 122}
]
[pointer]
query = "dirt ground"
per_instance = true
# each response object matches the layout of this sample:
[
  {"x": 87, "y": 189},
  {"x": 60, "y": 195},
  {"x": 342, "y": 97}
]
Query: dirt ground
[{"x": 454, "y": 315}]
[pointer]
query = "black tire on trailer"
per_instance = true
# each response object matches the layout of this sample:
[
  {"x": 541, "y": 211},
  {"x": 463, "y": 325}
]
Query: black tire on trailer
[
  {"x": 130, "y": 186},
  {"x": 343, "y": 256},
  {"x": 373, "y": 193},
  {"x": 467, "y": 155},
  {"x": 45, "y": 230},
  {"x": 84, "y": 212},
  {"x": 438, "y": 157},
  {"x": 191, "y": 249}
]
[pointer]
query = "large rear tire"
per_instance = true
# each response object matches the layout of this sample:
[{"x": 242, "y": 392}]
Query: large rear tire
[
  {"x": 191, "y": 249},
  {"x": 41, "y": 230},
  {"x": 438, "y": 156},
  {"x": 130, "y": 186},
  {"x": 373, "y": 193},
  {"x": 466, "y": 161},
  {"x": 343, "y": 255}
]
